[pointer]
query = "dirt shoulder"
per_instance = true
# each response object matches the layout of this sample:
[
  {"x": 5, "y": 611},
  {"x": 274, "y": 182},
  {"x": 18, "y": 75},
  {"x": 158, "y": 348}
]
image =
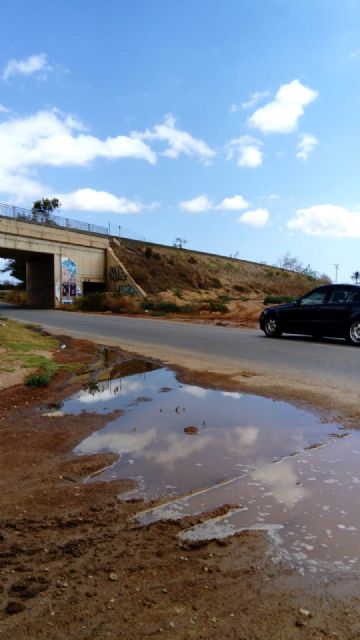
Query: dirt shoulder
[{"x": 73, "y": 564}]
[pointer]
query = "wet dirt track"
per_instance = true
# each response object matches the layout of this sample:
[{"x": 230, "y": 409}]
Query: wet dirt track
[{"x": 74, "y": 564}]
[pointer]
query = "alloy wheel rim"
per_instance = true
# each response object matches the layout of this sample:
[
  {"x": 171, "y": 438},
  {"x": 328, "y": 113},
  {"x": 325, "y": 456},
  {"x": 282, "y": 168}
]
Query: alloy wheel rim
[
  {"x": 271, "y": 326},
  {"x": 355, "y": 332}
]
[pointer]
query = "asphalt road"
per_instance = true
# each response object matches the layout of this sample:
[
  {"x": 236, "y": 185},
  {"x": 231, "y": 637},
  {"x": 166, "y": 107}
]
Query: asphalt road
[{"x": 332, "y": 357}]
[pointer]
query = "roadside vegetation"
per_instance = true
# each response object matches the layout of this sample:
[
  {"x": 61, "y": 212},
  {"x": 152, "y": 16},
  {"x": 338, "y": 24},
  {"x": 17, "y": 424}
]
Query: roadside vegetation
[
  {"x": 185, "y": 283},
  {"x": 27, "y": 348},
  {"x": 190, "y": 284}
]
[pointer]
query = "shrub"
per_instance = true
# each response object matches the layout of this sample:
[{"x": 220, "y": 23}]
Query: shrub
[
  {"x": 41, "y": 379},
  {"x": 91, "y": 302},
  {"x": 187, "y": 309},
  {"x": 119, "y": 304},
  {"x": 192, "y": 260},
  {"x": 148, "y": 252},
  {"x": 278, "y": 299},
  {"x": 159, "y": 307},
  {"x": 147, "y": 304},
  {"x": 167, "y": 307}
]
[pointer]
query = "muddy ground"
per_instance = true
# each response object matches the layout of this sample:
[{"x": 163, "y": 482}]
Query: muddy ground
[{"x": 74, "y": 564}]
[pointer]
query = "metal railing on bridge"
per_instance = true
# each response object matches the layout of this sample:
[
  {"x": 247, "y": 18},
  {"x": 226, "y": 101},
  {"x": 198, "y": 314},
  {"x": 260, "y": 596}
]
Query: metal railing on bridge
[{"x": 27, "y": 215}]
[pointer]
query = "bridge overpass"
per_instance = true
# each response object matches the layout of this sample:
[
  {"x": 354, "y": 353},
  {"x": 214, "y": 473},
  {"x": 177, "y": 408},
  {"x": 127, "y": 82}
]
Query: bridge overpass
[{"x": 63, "y": 261}]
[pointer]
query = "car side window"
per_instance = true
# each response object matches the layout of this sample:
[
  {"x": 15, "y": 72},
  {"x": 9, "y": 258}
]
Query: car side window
[
  {"x": 339, "y": 296},
  {"x": 315, "y": 297},
  {"x": 355, "y": 296}
]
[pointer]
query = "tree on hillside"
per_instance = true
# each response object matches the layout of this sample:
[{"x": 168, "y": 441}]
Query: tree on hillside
[
  {"x": 179, "y": 242},
  {"x": 356, "y": 276},
  {"x": 42, "y": 209},
  {"x": 293, "y": 264}
]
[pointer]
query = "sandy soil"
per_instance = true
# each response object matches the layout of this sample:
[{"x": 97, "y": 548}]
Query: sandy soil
[{"x": 73, "y": 564}]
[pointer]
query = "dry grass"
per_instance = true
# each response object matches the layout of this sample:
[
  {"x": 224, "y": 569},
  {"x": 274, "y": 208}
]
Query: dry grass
[{"x": 160, "y": 269}]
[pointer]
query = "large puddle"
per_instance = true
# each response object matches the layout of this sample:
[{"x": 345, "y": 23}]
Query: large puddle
[{"x": 282, "y": 469}]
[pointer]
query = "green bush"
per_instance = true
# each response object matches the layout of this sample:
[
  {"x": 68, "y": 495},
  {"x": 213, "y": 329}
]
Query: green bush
[
  {"x": 91, "y": 302},
  {"x": 147, "y": 304},
  {"x": 38, "y": 379},
  {"x": 278, "y": 299},
  {"x": 167, "y": 307},
  {"x": 159, "y": 307}
]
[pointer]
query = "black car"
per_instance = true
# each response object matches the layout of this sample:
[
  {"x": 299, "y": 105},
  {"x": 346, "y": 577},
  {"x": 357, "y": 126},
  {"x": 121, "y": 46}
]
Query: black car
[{"x": 331, "y": 311}]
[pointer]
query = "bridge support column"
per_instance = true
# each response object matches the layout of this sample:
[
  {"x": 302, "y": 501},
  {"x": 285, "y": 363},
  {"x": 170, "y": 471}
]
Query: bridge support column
[{"x": 40, "y": 288}]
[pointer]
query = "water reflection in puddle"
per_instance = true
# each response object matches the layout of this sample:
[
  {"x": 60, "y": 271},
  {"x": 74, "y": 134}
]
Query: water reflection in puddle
[
  {"x": 232, "y": 434},
  {"x": 243, "y": 450}
]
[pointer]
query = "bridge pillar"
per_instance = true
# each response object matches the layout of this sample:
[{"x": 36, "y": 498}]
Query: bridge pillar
[{"x": 40, "y": 287}]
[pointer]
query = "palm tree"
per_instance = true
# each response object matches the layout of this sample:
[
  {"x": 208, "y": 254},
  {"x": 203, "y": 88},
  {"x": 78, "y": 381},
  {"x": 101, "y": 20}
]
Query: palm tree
[{"x": 356, "y": 276}]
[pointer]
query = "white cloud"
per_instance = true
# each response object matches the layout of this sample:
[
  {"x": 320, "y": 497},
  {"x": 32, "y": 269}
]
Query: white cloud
[
  {"x": 33, "y": 64},
  {"x": 327, "y": 220},
  {"x": 179, "y": 142},
  {"x": 54, "y": 139},
  {"x": 255, "y": 218},
  {"x": 283, "y": 482},
  {"x": 282, "y": 114},
  {"x": 98, "y": 201},
  {"x": 247, "y": 150},
  {"x": 306, "y": 145},
  {"x": 200, "y": 204},
  {"x": 235, "y": 203},
  {"x": 3, "y": 109},
  {"x": 254, "y": 99}
]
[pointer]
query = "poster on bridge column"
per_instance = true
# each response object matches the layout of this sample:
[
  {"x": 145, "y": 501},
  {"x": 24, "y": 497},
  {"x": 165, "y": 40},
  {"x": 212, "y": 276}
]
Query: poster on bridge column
[{"x": 68, "y": 280}]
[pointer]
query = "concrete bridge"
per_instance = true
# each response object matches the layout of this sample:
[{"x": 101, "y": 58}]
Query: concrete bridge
[{"x": 62, "y": 263}]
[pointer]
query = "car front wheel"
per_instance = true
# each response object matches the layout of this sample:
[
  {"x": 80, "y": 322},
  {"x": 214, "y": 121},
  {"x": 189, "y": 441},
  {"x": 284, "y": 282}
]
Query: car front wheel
[
  {"x": 354, "y": 333},
  {"x": 272, "y": 327}
]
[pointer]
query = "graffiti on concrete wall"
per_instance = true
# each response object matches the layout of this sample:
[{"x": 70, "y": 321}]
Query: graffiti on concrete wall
[
  {"x": 126, "y": 290},
  {"x": 116, "y": 273},
  {"x": 68, "y": 280}
]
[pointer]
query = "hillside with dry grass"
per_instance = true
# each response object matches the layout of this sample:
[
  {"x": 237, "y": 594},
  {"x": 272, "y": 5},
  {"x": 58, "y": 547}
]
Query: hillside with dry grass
[
  {"x": 206, "y": 285},
  {"x": 188, "y": 284}
]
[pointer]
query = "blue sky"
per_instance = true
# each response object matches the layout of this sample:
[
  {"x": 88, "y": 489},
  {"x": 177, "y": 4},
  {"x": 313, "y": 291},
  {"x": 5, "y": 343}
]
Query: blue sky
[{"x": 233, "y": 124}]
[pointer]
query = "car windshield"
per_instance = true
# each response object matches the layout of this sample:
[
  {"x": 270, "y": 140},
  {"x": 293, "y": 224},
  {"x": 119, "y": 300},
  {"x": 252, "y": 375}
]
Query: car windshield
[{"x": 314, "y": 297}]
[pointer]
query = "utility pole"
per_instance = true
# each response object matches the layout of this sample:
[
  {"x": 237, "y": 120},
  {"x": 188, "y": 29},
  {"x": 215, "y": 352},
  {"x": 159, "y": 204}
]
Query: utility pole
[{"x": 336, "y": 272}]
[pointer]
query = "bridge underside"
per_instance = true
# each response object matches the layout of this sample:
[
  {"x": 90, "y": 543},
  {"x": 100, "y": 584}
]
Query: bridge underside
[
  {"x": 62, "y": 264},
  {"x": 39, "y": 276}
]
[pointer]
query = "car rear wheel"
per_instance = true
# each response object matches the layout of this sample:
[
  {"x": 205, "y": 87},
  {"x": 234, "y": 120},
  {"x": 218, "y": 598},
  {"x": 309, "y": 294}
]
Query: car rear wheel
[
  {"x": 272, "y": 327},
  {"x": 354, "y": 333}
]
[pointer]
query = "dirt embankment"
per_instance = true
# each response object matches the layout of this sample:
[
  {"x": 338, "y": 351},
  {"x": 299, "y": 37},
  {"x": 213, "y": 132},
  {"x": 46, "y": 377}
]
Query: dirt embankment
[{"x": 73, "y": 564}]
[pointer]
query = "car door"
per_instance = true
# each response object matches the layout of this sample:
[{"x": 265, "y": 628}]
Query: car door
[
  {"x": 306, "y": 315},
  {"x": 336, "y": 311}
]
